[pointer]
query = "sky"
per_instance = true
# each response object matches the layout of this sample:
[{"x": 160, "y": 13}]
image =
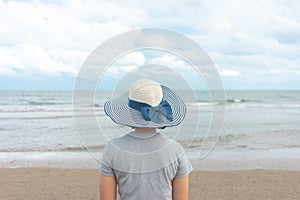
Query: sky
[{"x": 254, "y": 44}]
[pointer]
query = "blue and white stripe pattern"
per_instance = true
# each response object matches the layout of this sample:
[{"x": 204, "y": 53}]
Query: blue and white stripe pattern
[{"x": 119, "y": 111}]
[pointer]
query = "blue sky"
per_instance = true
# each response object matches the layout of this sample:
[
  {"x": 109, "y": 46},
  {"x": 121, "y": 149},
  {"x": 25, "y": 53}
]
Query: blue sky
[{"x": 254, "y": 44}]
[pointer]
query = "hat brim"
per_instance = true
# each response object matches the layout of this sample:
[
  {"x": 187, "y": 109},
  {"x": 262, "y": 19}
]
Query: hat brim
[{"x": 119, "y": 111}]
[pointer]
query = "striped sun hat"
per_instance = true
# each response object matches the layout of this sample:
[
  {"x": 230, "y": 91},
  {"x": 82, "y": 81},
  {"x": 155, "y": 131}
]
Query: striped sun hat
[{"x": 147, "y": 105}]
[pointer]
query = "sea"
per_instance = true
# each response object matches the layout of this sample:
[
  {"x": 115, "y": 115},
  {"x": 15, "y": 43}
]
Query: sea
[{"x": 261, "y": 129}]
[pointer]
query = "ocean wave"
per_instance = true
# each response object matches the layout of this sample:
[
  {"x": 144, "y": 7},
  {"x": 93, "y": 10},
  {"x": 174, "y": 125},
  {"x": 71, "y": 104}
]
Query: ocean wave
[
  {"x": 28, "y": 109},
  {"x": 234, "y": 100},
  {"x": 231, "y": 100},
  {"x": 99, "y": 147},
  {"x": 251, "y": 103},
  {"x": 42, "y": 103},
  {"x": 28, "y": 117}
]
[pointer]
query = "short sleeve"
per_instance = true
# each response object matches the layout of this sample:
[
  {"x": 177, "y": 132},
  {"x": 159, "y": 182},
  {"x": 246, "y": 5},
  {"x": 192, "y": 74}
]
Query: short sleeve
[
  {"x": 106, "y": 167},
  {"x": 185, "y": 167}
]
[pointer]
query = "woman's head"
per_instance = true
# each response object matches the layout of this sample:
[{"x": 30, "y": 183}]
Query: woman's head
[
  {"x": 146, "y": 91},
  {"x": 147, "y": 105}
]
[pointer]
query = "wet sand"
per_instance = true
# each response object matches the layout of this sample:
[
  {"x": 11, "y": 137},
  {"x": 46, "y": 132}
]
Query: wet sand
[{"x": 65, "y": 184}]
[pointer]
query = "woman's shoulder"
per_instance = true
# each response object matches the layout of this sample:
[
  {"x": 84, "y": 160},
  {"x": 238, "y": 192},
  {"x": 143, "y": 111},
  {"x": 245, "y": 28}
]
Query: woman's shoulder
[{"x": 158, "y": 142}]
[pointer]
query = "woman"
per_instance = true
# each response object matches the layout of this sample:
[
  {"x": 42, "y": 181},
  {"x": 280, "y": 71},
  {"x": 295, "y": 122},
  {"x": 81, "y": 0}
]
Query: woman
[{"x": 145, "y": 164}]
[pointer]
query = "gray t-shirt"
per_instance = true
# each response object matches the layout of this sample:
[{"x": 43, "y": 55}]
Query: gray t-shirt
[{"x": 144, "y": 166}]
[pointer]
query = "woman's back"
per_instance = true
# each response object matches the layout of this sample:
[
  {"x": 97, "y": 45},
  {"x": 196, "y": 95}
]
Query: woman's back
[{"x": 144, "y": 165}]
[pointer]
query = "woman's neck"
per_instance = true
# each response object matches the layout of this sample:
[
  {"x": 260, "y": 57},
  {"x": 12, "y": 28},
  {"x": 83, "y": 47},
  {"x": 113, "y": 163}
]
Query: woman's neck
[{"x": 145, "y": 130}]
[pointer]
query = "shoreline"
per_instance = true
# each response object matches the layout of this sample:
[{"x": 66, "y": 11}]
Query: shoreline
[
  {"x": 64, "y": 184},
  {"x": 274, "y": 159}
]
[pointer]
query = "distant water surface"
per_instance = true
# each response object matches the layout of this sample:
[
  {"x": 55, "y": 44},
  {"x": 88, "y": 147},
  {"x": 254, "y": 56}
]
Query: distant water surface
[{"x": 42, "y": 121}]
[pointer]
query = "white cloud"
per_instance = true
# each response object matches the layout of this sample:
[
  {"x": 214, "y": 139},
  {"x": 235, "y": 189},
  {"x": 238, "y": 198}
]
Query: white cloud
[
  {"x": 170, "y": 61},
  {"x": 125, "y": 64},
  {"x": 133, "y": 58},
  {"x": 244, "y": 38},
  {"x": 37, "y": 59},
  {"x": 163, "y": 67},
  {"x": 239, "y": 34},
  {"x": 228, "y": 72},
  {"x": 7, "y": 59},
  {"x": 48, "y": 38},
  {"x": 116, "y": 72}
]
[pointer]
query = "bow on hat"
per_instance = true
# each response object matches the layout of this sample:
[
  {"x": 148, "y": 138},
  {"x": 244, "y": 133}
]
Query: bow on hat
[{"x": 153, "y": 113}]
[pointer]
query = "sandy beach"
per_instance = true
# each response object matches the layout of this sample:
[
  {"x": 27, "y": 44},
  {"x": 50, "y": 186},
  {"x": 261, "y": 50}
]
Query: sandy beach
[{"x": 65, "y": 184}]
